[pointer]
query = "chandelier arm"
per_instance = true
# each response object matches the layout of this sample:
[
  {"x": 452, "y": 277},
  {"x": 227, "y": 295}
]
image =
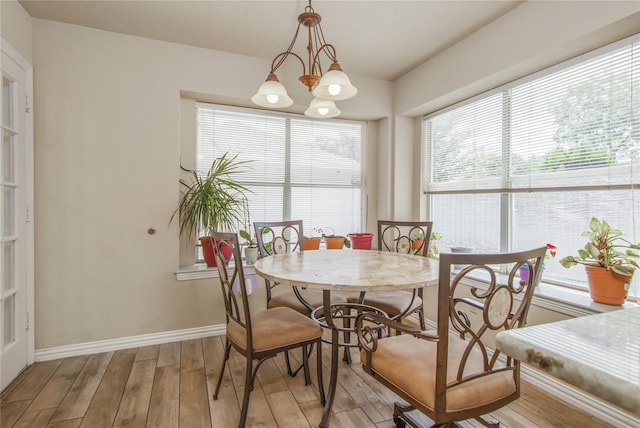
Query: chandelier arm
[
  {"x": 283, "y": 56},
  {"x": 332, "y": 56},
  {"x": 329, "y": 50},
  {"x": 288, "y": 51}
]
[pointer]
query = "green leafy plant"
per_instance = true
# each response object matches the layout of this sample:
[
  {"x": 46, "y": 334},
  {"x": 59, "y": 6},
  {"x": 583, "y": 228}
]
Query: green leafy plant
[
  {"x": 606, "y": 248},
  {"x": 434, "y": 251},
  {"x": 249, "y": 240},
  {"x": 214, "y": 201}
]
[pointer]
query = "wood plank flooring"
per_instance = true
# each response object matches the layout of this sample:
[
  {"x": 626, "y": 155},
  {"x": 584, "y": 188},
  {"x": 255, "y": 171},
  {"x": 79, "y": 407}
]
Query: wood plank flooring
[{"x": 171, "y": 385}]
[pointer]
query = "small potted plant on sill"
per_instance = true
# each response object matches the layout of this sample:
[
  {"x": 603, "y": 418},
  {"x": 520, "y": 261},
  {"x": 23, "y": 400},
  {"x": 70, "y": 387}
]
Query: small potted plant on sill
[
  {"x": 417, "y": 240},
  {"x": 610, "y": 262},
  {"x": 433, "y": 250},
  {"x": 210, "y": 202},
  {"x": 524, "y": 269},
  {"x": 251, "y": 247},
  {"x": 312, "y": 242},
  {"x": 361, "y": 241},
  {"x": 335, "y": 242}
]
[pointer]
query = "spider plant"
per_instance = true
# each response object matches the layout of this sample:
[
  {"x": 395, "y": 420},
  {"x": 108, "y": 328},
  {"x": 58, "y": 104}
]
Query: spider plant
[{"x": 214, "y": 201}]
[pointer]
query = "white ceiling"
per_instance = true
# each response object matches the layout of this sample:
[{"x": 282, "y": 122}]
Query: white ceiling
[{"x": 380, "y": 39}]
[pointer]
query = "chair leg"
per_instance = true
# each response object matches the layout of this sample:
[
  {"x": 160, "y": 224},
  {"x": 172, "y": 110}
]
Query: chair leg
[
  {"x": 227, "y": 348},
  {"x": 491, "y": 423},
  {"x": 305, "y": 364},
  {"x": 248, "y": 386},
  {"x": 423, "y": 325},
  {"x": 323, "y": 400},
  {"x": 291, "y": 372}
]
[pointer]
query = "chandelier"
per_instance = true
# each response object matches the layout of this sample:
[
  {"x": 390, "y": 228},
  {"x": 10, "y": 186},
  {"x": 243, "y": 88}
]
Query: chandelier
[{"x": 334, "y": 85}]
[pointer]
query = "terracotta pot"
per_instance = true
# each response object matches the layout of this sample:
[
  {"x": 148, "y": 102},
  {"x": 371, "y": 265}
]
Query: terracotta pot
[
  {"x": 361, "y": 241},
  {"x": 418, "y": 243},
  {"x": 207, "y": 251},
  {"x": 311, "y": 243},
  {"x": 606, "y": 286},
  {"x": 334, "y": 243}
]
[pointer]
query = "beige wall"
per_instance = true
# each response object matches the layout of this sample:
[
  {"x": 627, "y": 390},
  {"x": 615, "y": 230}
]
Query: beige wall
[
  {"x": 108, "y": 144},
  {"x": 108, "y": 114},
  {"x": 15, "y": 25}
]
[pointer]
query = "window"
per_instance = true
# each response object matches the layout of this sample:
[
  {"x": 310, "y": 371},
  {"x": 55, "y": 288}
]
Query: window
[
  {"x": 531, "y": 162},
  {"x": 299, "y": 168}
]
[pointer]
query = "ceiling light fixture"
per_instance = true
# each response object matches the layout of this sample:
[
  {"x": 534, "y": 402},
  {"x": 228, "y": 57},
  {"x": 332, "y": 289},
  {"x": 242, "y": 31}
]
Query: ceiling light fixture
[{"x": 334, "y": 85}]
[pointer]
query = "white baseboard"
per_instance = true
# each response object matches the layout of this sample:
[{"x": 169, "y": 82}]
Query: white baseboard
[{"x": 128, "y": 342}]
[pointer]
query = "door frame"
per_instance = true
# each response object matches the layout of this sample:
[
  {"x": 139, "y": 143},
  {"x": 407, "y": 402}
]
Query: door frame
[{"x": 29, "y": 273}]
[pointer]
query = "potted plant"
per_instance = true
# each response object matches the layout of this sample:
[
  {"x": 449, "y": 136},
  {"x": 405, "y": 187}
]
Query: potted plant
[
  {"x": 361, "y": 241},
  {"x": 524, "y": 269},
  {"x": 336, "y": 242},
  {"x": 312, "y": 242},
  {"x": 211, "y": 202},
  {"x": 417, "y": 241},
  {"x": 433, "y": 251},
  {"x": 610, "y": 262},
  {"x": 251, "y": 247}
]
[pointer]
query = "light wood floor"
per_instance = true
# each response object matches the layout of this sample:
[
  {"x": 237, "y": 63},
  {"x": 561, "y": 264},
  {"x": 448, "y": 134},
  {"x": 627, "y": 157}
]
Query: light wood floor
[{"x": 171, "y": 385}]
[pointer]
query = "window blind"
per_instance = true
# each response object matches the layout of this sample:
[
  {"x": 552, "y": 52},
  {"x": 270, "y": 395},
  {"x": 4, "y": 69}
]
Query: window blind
[
  {"x": 299, "y": 168},
  {"x": 577, "y": 127}
]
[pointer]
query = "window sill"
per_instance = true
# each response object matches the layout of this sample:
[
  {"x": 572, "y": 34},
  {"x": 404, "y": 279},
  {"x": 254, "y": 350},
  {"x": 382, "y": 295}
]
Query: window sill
[
  {"x": 201, "y": 271},
  {"x": 567, "y": 301},
  {"x": 571, "y": 302}
]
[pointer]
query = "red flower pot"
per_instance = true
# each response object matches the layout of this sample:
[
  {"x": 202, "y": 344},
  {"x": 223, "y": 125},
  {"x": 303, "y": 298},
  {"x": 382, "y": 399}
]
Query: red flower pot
[
  {"x": 207, "y": 251},
  {"x": 361, "y": 241}
]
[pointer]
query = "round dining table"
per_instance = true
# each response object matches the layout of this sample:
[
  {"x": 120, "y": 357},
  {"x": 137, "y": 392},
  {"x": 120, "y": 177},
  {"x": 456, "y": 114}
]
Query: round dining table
[{"x": 353, "y": 271}]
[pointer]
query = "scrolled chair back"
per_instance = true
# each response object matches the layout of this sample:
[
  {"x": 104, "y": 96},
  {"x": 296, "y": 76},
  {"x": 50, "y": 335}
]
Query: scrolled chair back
[
  {"x": 231, "y": 274},
  {"x": 409, "y": 237},
  {"x": 453, "y": 372}
]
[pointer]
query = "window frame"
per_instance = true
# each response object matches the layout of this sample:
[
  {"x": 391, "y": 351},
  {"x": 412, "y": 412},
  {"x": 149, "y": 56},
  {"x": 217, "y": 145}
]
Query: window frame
[{"x": 288, "y": 185}]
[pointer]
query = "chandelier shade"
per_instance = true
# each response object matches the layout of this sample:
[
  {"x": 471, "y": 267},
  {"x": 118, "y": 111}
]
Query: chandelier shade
[
  {"x": 333, "y": 85},
  {"x": 322, "y": 109},
  {"x": 272, "y": 94}
]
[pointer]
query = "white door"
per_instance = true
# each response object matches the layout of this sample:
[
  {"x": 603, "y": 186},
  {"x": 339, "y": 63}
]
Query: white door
[{"x": 15, "y": 187}]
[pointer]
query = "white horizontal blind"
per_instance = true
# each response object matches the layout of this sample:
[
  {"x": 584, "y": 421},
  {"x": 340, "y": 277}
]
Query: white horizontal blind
[
  {"x": 531, "y": 162},
  {"x": 299, "y": 168},
  {"x": 578, "y": 127}
]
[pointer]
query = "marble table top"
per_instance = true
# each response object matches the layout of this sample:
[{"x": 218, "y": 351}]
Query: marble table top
[
  {"x": 598, "y": 353},
  {"x": 350, "y": 270}
]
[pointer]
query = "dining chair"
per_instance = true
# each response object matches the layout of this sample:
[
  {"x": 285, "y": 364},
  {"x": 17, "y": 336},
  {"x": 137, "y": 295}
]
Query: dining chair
[
  {"x": 277, "y": 237},
  {"x": 411, "y": 237},
  {"x": 262, "y": 335},
  {"x": 451, "y": 373}
]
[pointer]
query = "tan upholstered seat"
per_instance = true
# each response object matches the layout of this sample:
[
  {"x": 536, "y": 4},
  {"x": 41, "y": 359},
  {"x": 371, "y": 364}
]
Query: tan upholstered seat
[
  {"x": 416, "y": 375},
  {"x": 451, "y": 374},
  {"x": 262, "y": 335},
  {"x": 400, "y": 237},
  {"x": 393, "y": 303},
  {"x": 275, "y": 328},
  {"x": 290, "y": 300}
]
